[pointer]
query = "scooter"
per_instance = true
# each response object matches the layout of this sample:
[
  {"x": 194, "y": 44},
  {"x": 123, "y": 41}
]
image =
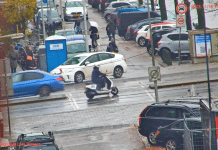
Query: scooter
[{"x": 92, "y": 89}]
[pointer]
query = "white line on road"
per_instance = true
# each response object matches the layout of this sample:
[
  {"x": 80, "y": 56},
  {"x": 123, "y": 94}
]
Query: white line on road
[
  {"x": 146, "y": 91},
  {"x": 73, "y": 101}
]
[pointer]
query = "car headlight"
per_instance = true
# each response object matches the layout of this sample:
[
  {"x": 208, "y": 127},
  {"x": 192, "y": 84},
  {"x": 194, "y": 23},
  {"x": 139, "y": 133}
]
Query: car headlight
[{"x": 68, "y": 13}]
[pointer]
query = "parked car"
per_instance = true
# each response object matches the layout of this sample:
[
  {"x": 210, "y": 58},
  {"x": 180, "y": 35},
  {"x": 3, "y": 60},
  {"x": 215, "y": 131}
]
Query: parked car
[
  {"x": 75, "y": 47},
  {"x": 34, "y": 82},
  {"x": 156, "y": 36},
  {"x": 170, "y": 42},
  {"x": 144, "y": 33},
  {"x": 162, "y": 114},
  {"x": 36, "y": 141},
  {"x": 112, "y": 7},
  {"x": 128, "y": 18},
  {"x": 56, "y": 22},
  {"x": 74, "y": 9},
  {"x": 134, "y": 27},
  {"x": 171, "y": 136},
  {"x": 80, "y": 67},
  {"x": 65, "y": 32}
]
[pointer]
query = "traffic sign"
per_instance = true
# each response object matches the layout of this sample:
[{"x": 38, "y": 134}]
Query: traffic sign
[
  {"x": 180, "y": 21},
  {"x": 154, "y": 73},
  {"x": 181, "y": 8},
  {"x": 44, "y": 1}
]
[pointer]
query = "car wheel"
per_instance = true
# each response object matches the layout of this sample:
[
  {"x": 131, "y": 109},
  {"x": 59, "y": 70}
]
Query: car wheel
[
  {"x": 171, "y": 144},
  {"x": 107, "y": 17},
  {"x": 44, "y": 91},
  {"x": 151, "y": 137},
  {"x": 142, "y": 42},
  {"x": 89, "y": 94},
  {"x": 150, "y": 51},
  {"x": 127, "y": 37},
  {"x": 114, "y": 91},
  {"x": 78, "y": 78},
  {"x": 118, "y": 72}
]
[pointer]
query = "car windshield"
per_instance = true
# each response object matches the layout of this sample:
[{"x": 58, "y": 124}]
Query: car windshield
[
  {"x": 76, "y": 48},
  {"x": 74, "y": 60},
  {"x": 65, "y": 33},
  {"x": 74, "y": 4}
]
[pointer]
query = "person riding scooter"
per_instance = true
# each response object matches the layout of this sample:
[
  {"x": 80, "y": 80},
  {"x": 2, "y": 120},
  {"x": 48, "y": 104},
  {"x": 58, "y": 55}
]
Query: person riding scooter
[{"x": 98, "y": 78}]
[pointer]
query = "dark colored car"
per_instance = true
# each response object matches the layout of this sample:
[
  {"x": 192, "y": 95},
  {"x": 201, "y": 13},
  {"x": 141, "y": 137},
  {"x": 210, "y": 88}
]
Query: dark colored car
[
  {"x": 128, "y": 18},
  {"x": 138, "y": 25},
  {"x": 171, "y": 136},
  {"x": 38, "y": 141},
  {"x": 156, "y": 36},
  {"x": 162, "y": 114},
  {"x": 34, "y": 82}
]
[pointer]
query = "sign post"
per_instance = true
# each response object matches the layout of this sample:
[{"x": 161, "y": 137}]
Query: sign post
[{"x": 180, "y": 22}]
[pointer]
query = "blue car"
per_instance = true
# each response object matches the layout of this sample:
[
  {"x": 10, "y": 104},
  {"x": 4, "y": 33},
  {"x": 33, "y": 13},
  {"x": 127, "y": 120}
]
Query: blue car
[{"x": 34, "y": 82}]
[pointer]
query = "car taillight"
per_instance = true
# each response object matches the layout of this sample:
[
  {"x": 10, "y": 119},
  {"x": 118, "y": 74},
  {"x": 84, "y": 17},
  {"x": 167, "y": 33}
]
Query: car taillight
[
  {"x": 61, "y": 70},
  {"x": 159, "y": 42},
  {"x": 134, "y": 31},
  {"x": 106, "y": 4},
  {"x": 127, "y": 29},
  {"x": 140, "y": 119},
  {"x": 59, "y": 79},
  {"x": 158, "y": 132},
  {"x": 146, "y": 34},
  {"x": 137, "y": 33},
  {"x": 149, "y": 39}
]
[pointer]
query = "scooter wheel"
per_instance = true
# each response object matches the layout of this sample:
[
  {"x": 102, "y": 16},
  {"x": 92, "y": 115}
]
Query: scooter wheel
[
  {"x": 114, "y": 91},
  {"x": 89, "y": 94}
]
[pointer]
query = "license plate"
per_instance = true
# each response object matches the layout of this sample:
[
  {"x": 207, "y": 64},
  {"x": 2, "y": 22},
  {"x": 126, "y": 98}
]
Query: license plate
[{"x": 77, "y": 15}]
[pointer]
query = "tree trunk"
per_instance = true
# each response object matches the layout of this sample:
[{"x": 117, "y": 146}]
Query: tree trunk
[
  {"x": 152, "y": 5},
  {"x": 200, "y": 12},
  {"x": 188, "y": 16},
  {"x": 163, "y": 9},
  {"x": 176, "y": 3}
]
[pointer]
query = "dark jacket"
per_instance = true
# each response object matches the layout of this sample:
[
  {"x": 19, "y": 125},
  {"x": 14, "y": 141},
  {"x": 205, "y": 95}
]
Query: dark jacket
[
  {"x": 93, "y": 30},
  {"x": 29, "y": 63},
  {"x": 77, "y": 23},
  {"x": 112, "y": 48},
  {"x": 110, "y": 28},
  {"x": 95, "y": 75},
  {"x": 13, "y": 55}
]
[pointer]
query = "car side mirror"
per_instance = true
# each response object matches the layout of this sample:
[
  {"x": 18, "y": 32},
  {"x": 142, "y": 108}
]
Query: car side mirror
[
  {"x": 57, "y": 5},
  {"x": 86, "y": 63}
]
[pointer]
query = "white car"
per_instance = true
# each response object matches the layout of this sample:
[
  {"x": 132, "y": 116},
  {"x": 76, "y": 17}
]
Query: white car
[
  {"x": 80, "y": 67},
  {"x": 144, "y": 33},
  {"x": 74, "y": 9}
]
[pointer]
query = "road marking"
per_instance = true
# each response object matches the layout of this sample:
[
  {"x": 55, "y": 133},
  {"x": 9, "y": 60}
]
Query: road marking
[
  {"x": 73, "y": 101},
  {"x": 146, "y": 91}
]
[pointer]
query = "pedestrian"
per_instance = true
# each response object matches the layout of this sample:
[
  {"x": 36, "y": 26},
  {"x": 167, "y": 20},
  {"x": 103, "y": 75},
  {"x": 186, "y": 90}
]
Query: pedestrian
[
  {"x": 28, "y": 57},
  {"x": 13, "y": 56},
  {"x": 103, "y": 7},
  {"x": 110, "y": 28},
  {"x": 77, "y": 26}
]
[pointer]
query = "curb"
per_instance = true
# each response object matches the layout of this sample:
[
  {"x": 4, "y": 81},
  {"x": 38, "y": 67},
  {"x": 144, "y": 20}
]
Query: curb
[
  {"x": 182, "y": 83},
  {"x": 34, "y": 100}
]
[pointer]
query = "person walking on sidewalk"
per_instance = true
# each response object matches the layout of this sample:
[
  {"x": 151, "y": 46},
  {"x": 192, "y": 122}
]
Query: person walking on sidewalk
[
  {"x": 28, "y": 58},
  {"x": 13, "y": 56},
  {"x": 77, "y": 26},
  {"x": 110, "y": 28}
]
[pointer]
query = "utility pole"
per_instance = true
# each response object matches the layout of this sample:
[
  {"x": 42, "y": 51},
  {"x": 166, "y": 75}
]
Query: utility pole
[
  {"x": 152, "y": 49},
  {"x": 85, "y": 26},
  {"x": 43, "y": 23}
]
